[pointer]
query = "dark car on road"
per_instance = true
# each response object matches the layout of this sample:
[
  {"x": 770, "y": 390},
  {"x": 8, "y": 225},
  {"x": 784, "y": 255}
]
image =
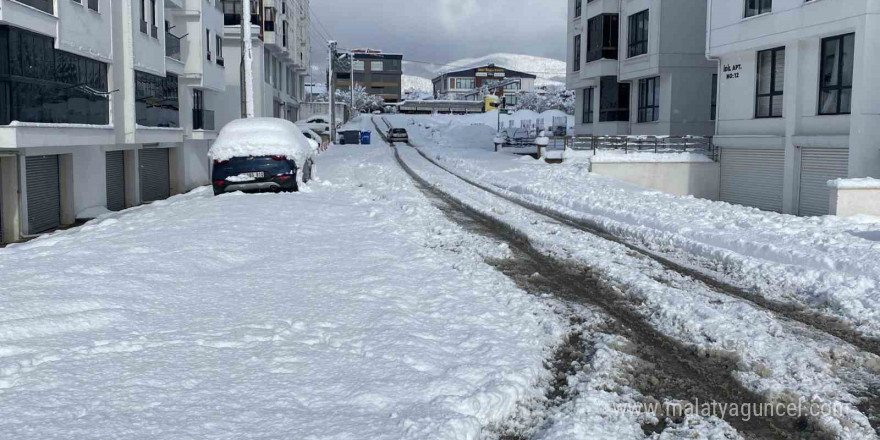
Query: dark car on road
[
  {"x": 398, "y": 135},
  {"x": 257, "y": 174}
]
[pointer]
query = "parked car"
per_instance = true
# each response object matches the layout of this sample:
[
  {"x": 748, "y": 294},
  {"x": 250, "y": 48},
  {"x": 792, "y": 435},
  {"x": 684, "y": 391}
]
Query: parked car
[
  {"x": 261, "y": 154},
  {"x": 317, "y": 123},
  {"x": 398, "y": 135},
  {"x": 310, "y": 134}
]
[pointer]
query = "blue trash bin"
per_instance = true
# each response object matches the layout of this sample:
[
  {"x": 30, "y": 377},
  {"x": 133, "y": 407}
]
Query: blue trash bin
[{"x": 365, "y": 137}]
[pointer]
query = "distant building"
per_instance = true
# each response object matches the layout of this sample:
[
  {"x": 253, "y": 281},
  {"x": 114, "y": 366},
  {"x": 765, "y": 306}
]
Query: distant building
[
  {"x": 380, "y": 73},
  {"x": 465, "y": 84}
]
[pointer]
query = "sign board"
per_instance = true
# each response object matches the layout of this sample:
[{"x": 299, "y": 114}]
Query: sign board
[{"x": 482, "y": 74}]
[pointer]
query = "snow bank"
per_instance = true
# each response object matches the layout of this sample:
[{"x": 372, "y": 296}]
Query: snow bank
[
  {"x": 862, "y": 183},
  {"x": 645, "y": 157},
  {"x": 261, "y": 137}
]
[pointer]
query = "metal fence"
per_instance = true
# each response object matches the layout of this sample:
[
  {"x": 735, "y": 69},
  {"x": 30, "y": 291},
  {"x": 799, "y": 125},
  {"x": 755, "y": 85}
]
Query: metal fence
[{"x": 653, "y": 144}]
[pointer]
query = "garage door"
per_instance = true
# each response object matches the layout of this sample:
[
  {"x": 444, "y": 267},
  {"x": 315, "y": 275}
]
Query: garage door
[
  {"x": 818, "y": 166},
  {"x": 155, "y": 178},
  {"x": 43, "y": 193},
  {"x": 116, "y": 180},
  {"x": 753, "y": 177}
]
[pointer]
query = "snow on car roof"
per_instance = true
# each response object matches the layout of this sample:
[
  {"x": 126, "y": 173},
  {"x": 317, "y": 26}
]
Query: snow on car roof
[{"x": 261, "y": 137}]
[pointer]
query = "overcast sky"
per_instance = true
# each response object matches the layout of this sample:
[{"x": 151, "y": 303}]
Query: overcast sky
[{"x": 444, "y": 30}]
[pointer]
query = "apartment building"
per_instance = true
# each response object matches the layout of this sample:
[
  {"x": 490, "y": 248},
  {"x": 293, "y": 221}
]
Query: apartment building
[
  {"x": 103, "y": 105},
  {"x": 639, "y": 67},
  {"x": 280, "y": 38},
  {"x": 464, "y": 84},
  {"x": 798, "y": 102},
  {"x": 379, "y": 73}
]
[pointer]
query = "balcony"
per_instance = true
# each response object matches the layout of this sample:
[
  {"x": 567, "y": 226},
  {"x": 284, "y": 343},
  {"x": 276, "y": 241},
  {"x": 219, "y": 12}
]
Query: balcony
[
  {"x": 203, "y": 119},
  {"x": 172, "y": 46},
  {"x": 47, "y": 6}
]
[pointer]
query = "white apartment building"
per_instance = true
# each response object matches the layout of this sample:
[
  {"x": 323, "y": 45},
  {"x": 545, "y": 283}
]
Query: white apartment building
[
  {"x": 798, "y": 101},
  {"x": 104, "y": 105},
  {"x": 280, "y": 36},
  {"x": 639, "y": 67}
]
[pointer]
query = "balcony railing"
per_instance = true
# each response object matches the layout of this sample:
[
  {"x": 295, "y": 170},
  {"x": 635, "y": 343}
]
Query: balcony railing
[
  {"x": 47, "y": 6},
  {"x": 172, "y": 46},
  {"x": 203, "y": 119}
]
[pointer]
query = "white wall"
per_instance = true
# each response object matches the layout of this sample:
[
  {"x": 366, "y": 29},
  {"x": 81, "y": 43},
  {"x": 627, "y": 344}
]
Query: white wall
[
  {"x": 89, "y": 178},
  {"x": 149, "y": 52},
  {"x": 698, "y": 179},
  {"x": 85, "y": 32},
  {"x": 196, "y": 165}
]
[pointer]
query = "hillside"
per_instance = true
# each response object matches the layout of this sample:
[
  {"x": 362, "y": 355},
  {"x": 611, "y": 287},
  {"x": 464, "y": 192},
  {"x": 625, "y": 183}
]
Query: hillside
[{"x": 549, "y": 71}]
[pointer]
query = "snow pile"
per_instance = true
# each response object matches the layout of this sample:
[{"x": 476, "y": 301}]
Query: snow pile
[
  {"x": 373, "y": 317},
  {"x": 261, "y": 137},
  {"x": 614, "y": 156},
  {"x": 860, "y": 183}
]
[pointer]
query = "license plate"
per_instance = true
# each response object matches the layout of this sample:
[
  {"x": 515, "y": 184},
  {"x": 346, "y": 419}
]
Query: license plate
[{"x": 255, "y": 174}]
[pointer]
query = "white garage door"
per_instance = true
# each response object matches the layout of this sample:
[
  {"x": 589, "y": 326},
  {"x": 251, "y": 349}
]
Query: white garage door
[
  {"x": 753, "y": 177},
  {"x": 155, "y": 177},
  {"x": 43, "y": 193},
  {"x": 818, "y": 166}
]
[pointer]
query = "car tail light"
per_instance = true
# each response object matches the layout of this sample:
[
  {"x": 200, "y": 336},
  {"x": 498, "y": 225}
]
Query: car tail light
[
  {"x": 285, "y": 177},
  {"x": 279, "y": 158},
  {"x": 220, "y": 162},
  {"x": 220, "y": 182}
]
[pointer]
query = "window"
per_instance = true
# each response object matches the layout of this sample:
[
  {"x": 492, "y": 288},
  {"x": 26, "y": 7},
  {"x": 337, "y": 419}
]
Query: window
[
  {"x": 154, "y": 29},
  {"x": 377, "y": 66},
  {"x": 463, "y": 83},
  {"x": 208, "y": 43},
  {"x": 269, "y": 19},
  {"x": 219, "y": 48},
  {"x": 144, "y": 16},
  {"x": 267, "y": 66},
  {"x": 587, "y": 108},
  {"x": 714, "y": 100},
  {"x": 358, "y": 65},
  {"x": 93, "y": 5},
  {"x": 835, "y": 84},
  {"x": 41, "y": 84},
  {"x": 613, "y": 100},
  {"x": 758, "y": 7},
  {"x": 77, "y": 1},
  {"x": 578, "y": 8},
  {"x": 602, "y": 37},
  {"x": 649, "y": 100},
  {"x": 156, "y": 100},
  {"x": 638, "y": 33},
  {"x": 771, "y": 82},
  {"x": 577, "y": 53}
]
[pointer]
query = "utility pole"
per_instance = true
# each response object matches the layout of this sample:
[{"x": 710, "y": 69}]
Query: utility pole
[
  {"x": 351, "y": 66},
  {"x": 247, "y": 59},
  {"x": 331, "y": 88}
]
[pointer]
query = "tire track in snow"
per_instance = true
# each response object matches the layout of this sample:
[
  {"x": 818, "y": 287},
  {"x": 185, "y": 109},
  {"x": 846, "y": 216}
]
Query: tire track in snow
[{"x": 681, "y": 372}]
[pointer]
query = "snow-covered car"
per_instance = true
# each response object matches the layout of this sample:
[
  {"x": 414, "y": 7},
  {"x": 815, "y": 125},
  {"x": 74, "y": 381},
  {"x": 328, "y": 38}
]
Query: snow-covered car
[
  {"x": 398, "y": 135},
  {"x": 310, "y": 134},
  {"x": 261, "y": 154},
  {"x": 317, "y": 123}
]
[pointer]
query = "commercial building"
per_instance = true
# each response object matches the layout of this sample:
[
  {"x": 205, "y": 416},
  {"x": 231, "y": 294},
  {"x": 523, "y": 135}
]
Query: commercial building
[
  {"x": 280, "y": 34},
  {"x": 379, "y": 73},
  {"x": 639, "y": 67},
  {"x": 465, "y": 84},
  {"x": 103, "y": 105},
  {"x": 798, "y": 102}
]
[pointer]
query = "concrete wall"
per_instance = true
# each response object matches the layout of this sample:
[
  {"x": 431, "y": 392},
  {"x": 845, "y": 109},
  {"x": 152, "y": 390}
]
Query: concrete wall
[
  {"x": 84, "y": 31},
  {"x": 698, "y": 179},
  {"x": 850, "y": 202}
]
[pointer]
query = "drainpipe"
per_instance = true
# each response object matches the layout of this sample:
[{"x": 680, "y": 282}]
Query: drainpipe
[{"x": 711, "y": 58}]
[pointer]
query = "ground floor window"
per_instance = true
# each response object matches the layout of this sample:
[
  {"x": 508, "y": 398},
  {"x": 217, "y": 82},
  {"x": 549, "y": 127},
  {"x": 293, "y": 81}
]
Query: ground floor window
[
  {"x": 156, "y": 100},
  {"x": 613, "y": 100},
  {"x": 587, "y": 117},
  {"x": 649, "y": 100}
]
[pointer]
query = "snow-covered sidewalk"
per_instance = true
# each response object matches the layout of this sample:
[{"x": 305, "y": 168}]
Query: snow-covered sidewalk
[
  {"x": 352, "y": 310},
  {"x": 828, "y": 264}
]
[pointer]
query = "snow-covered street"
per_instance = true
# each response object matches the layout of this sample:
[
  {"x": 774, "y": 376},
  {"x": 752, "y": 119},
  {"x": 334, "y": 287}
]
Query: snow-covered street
[{"x": 393, "y": 299}]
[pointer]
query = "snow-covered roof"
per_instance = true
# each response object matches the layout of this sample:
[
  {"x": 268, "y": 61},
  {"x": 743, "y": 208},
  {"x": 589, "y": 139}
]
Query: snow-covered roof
[{"x": 261, "y": 137}]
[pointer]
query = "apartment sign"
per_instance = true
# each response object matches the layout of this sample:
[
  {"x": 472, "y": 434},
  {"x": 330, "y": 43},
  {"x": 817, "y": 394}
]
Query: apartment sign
[
  {"x": 731, "y": 71},
  {"x": 485, "y": 72}
]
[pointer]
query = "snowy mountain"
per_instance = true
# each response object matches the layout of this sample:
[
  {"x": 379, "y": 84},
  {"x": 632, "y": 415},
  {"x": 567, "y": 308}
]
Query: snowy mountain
[{"x": 548, "y": 70}]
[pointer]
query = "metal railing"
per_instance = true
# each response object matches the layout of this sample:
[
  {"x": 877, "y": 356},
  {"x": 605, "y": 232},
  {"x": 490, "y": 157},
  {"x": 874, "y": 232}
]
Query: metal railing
[
  {"x": 47, "y": 6},
  {"x": 172, "y": 46},
  {"x": 652, "y": 144},
  {"x": 203, "y": 119}
]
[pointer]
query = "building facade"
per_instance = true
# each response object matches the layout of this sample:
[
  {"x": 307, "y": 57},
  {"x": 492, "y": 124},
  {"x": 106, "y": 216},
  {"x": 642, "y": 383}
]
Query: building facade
[
  {"x": 798, "y": 102},
  {"x": 379, "y": 73},
  {"x": 104, "y": 105},
  {"x": 280, "y": 37},
  {"x": 639, "y": 67},
  {"x": 466, "y": 84}
]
